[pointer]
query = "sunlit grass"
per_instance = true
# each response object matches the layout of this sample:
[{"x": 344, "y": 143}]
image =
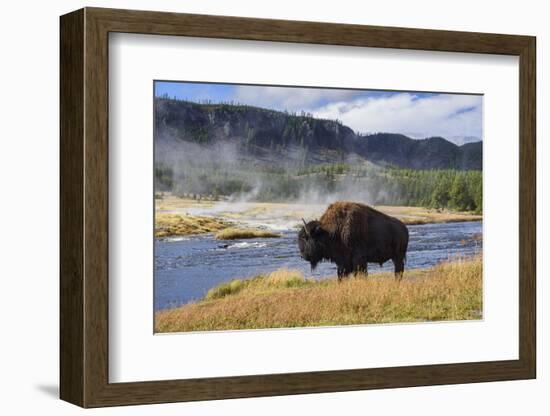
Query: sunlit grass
[
  {"x": 279, "y": 279},
  {"x": 293, "y": 212},
  {"x": 241, "y": 233},
  {"x": 421, "y": 215},
  {"x": 167, "y": 225},
  {"x": 285, "y": 298}
]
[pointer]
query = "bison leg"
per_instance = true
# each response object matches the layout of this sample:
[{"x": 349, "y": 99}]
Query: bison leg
[
  {"x": 360, "y": 268},
  {"x": 348, "y": 268},
  {"x": 399, "y": 266},
  {"x": 340, "y": 273},
  {"x": 359, "y": 263},
  {"x": 344, "y": 270}
]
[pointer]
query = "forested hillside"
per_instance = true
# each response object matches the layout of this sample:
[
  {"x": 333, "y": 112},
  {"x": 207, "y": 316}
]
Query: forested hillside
[
  {"x": 248, "y": 153},
  {"x": 269, "y": 137}
]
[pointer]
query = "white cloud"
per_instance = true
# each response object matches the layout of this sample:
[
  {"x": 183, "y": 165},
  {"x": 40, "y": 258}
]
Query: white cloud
[
  {"x": 292, "y": 99},
  {"x": 455, "y": 117}
]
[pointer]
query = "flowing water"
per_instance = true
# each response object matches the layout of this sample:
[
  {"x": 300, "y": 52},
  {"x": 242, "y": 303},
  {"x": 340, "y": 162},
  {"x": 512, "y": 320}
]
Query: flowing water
[{"x": 187, "y": 267}]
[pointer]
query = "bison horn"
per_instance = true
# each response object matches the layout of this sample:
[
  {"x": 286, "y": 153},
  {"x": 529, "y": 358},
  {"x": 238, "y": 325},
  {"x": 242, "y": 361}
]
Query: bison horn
[{"x": 305, "y": 227}]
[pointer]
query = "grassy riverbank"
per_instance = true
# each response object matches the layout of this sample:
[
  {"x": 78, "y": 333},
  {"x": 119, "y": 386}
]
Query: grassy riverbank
[
  {"x": 167, "y": 225},
  {"x": 185, "y": 216},
  {"x": 240, "y": 233},
  {"x": 285, "y": 298}
]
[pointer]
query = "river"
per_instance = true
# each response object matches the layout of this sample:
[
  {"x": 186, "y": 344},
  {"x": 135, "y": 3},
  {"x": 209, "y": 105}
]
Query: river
[{"x": 187, "y": 267}]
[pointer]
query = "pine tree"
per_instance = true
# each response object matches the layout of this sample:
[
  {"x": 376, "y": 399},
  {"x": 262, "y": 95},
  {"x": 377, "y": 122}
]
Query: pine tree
[
  {"x": 440, "y": 195},
  {"x": 460, "y": 197}
]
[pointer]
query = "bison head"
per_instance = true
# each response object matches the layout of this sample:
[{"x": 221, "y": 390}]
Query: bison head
[{"x": 311, "y": 241}]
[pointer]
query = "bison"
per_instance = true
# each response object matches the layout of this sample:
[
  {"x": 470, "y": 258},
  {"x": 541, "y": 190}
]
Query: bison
[{"x": 351, "y": 235}]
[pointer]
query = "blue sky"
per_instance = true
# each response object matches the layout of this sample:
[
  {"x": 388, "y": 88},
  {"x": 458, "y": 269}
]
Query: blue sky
[{"x": 457, "y": 117}]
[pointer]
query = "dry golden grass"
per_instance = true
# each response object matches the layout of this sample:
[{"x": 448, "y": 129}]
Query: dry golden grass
[
  {"x": 238, "y": 233},
  {"x": 420, "y": 215},
  {"x": 167, "y": 225},
  {"x": 281, "y": 278},
  {"x": 293, "y": 212},
  {"x": 284, "y": 298},
  {"x": 166, "y": 201}
]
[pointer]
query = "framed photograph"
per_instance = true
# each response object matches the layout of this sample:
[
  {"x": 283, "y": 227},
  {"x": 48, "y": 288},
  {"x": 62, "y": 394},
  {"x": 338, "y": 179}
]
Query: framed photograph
[{"x": 255, "y": 207}]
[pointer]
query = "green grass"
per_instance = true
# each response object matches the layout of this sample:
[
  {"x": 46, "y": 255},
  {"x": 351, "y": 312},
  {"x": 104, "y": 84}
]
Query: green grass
[
  {"x": 285, "y": 298},
  {"x": 279, "y": 279}
]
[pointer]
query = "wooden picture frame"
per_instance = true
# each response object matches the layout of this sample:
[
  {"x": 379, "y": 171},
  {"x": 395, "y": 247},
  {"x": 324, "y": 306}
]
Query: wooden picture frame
[{"x": 84, "y": 207}]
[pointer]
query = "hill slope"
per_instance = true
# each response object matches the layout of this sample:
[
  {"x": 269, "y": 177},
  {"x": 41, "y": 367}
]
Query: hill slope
[{"x": 273, "y": 137}]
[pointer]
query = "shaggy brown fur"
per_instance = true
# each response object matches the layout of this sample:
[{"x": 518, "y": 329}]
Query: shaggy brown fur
[{"x": 351, "y": 235}]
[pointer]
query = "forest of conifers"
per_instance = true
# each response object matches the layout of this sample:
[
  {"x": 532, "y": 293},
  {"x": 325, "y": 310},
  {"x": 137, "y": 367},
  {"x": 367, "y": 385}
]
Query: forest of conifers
[{"x": 443, "y": 189}]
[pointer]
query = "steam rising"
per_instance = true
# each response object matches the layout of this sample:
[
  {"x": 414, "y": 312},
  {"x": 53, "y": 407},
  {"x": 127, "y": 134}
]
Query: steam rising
[{"x": 223, "y": 171}]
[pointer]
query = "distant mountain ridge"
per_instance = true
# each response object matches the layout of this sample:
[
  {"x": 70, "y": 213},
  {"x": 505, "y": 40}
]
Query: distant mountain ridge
[{"x": 272, "y": 137}]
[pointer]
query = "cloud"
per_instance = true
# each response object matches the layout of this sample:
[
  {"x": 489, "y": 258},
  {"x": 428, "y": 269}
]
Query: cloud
[
  {"x": 291, "y": 99},
  {"x": 455, "y": 117}
]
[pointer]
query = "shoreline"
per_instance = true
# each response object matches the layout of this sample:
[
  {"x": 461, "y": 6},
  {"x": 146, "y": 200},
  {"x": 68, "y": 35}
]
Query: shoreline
[
  {"x": 451, "y": 290},
  {"x": 420, "y": 222},
  {"x": 180, "y": 217}
]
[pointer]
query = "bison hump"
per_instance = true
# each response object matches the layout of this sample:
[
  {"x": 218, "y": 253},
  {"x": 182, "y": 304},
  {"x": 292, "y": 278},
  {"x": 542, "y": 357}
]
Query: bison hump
[{"x": 347, "y": 221}]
